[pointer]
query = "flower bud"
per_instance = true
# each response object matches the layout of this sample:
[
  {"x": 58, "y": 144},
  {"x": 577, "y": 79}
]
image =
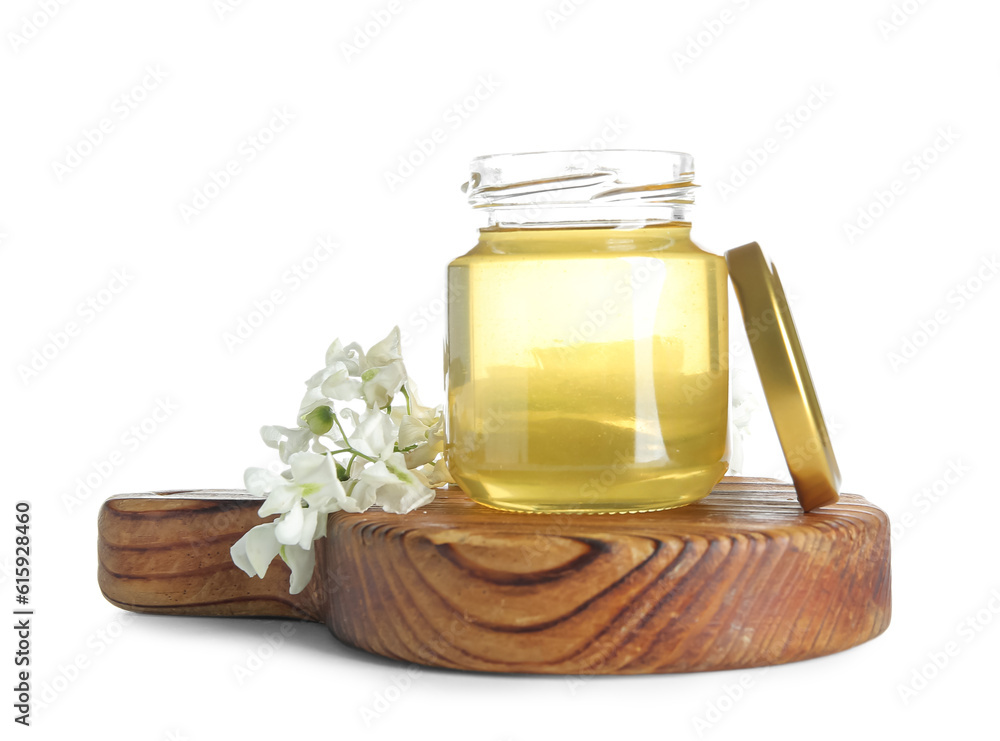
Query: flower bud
[{"x": 319, "y": 420}]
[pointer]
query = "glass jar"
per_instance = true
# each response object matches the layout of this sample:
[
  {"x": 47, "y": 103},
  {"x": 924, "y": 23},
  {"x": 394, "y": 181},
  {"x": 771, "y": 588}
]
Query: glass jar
[{"x": 587, "y": 337}]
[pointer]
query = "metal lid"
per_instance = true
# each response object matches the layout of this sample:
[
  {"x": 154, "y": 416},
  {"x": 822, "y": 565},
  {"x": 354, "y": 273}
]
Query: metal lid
[{"x": 785, "y": 378}]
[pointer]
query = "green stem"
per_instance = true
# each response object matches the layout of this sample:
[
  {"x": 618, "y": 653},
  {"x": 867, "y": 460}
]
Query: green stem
[
  {"x": 354, "y": 453},
  {"x": 357, "y": 454},
  {"x": 336, "y": 419},
  {"x": 407, "y": 397}
]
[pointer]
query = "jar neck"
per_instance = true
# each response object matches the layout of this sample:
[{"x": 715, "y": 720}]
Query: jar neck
[
  {"x": 498, "y": 240},
  {"x": 575, "y": 215},
  {"x": 619, "y": 189}
]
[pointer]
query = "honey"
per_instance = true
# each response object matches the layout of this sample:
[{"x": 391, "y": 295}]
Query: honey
[{"x": 586, "y": 368}]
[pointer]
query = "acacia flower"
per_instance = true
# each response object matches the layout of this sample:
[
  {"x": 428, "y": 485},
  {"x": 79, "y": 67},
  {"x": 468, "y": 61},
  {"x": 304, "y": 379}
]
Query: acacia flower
[
  {"x": 302, "y": 504},
  {"x": 392, "y": 486},
  {"x": 392, "y": 457}
]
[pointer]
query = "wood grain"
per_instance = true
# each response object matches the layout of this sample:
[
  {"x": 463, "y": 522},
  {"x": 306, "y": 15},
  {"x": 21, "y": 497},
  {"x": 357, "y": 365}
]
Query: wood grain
[
  {"x": 742, "y": 578},
  {"x": 168, "y": 553}
]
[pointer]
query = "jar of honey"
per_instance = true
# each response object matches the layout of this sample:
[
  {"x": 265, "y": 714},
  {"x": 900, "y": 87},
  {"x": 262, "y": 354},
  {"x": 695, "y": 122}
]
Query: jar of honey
[{"x": 587, "y": 337}]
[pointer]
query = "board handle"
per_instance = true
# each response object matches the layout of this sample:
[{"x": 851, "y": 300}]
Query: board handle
[{"x": 168, "y": 553}]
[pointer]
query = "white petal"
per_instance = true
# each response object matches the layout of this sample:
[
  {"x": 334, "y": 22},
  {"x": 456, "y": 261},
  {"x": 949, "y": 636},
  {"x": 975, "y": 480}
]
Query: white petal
[
  {"x": 316, "y": 379},
  {"x": 382, "y": 384},
  {"x": 312, "y": 467},
  {"x": 417, "y": 474},
  {"x": 308, "y": 531},
  {"x": 259, "y": 546},
  {"x": 259, "y": 481},
  {"x": 238, "y": 552},
  {"x": 397, "y": 489},
  {"x": 437, "y": 474},
  {"x": 335, "y": 352},
  {"x": 400, "y": 499},
  {"x": 412, "y": 431},
  {"x": 351, "y": 356},
  {"x": 377, "y": 475},
  {"x": 384, "y": 351},
  {"x": 328, "y": 497},
  {"x": 301, "y": 562},
  {"x": 315, "y": 396},
  {"x": 350, "y": 415},
  {"x": 362, "y": 497},
  {"x": 374, "y": 435},
  {"x": 284, "y": 498},
  {"x": 298, "y": 440},
  {"x": 341, "y": 386},
  {"x": 321, "y": 523},
  {"x": 429, "y": 449},
  {"x": 288, "y": 440},
  {"x": 356, "y": 468},
  {"x": 422, "y": 454},
  {"x": 288, "y": 527},
  {"x": 272, "y": 435},
  {"x": 427, "y": 415}
]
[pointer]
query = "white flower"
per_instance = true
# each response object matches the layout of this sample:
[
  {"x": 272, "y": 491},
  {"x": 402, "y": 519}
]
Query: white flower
[
  {"x": 287, "y": 440},
  {"x": 421, "y": 429},
  {"x": 314, "y": 485},
  {"x": 333, "y": 382},
  {"x": 383, "y": 352},
  {"x": 382, "y": 371},
  {"x": 302, "y": 562},
  {"x": 351, "y": 374},
  {"x": 423, "y": 434},
  {"x": 255, "y": 551},
  {"x": 437, "y": 474},
  {"x": 380, "y": 385},
  {"x": 392, "y": 486},
  {"x": 302, "y": 505},
  {"x": 374, "y": 433},
  {"x": 392, "y": 457},
  {"x": 350, "y": 356}
]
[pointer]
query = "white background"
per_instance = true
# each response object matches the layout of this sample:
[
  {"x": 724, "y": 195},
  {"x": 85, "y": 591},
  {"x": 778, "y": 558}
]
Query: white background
[{"x": 718, "y": 80}]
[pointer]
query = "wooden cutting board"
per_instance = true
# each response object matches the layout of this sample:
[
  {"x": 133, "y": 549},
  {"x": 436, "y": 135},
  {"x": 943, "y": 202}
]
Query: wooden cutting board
[{"x": 743, "y": 578}]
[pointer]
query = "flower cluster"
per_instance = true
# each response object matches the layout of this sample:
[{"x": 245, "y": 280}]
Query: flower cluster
[{"x": 391, "y": 457}]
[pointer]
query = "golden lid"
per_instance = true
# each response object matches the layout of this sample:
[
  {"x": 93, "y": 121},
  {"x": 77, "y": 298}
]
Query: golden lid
[{"x": 785, "y": 378}]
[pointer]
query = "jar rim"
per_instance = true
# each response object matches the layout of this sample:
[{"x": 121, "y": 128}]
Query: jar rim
[{"x": 540, "y": 185}]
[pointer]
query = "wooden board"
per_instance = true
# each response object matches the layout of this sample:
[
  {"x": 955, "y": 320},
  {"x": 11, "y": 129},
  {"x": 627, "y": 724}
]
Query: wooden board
[{"x": 743, "y": 578}]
